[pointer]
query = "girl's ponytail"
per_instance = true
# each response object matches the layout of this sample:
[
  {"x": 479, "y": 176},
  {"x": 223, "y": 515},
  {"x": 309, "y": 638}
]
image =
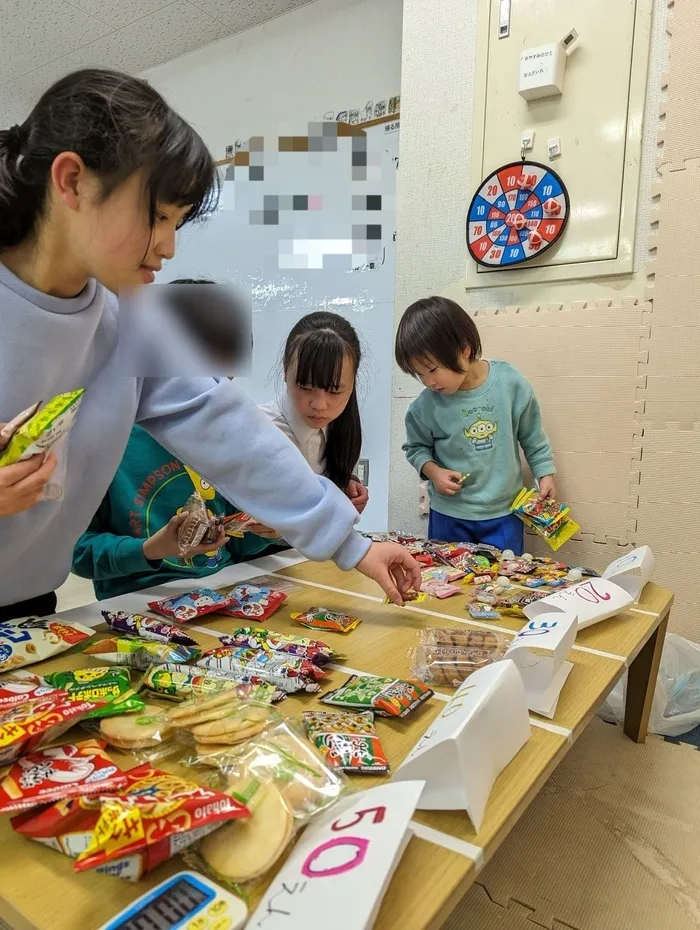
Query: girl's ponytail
[{"x": 20, "y": 204}]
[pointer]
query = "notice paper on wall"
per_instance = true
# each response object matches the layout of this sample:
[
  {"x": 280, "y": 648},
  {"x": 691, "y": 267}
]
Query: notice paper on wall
[{"x": 597, "y": 599}]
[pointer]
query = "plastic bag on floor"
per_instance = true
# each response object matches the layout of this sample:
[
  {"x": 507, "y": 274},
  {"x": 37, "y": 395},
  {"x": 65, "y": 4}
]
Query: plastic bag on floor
[{"x": 676, "y": 706}]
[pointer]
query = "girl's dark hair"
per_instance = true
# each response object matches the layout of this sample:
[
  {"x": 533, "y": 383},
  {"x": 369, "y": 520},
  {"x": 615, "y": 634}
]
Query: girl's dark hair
[
  {"x": 319, "y": 344},
  {"x": 117, "y": 124},
  {"x": 435, "y": 328}
]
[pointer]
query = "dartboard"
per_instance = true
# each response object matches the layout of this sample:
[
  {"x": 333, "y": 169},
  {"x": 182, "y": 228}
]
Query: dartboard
[{"x": 519, "y": 212}]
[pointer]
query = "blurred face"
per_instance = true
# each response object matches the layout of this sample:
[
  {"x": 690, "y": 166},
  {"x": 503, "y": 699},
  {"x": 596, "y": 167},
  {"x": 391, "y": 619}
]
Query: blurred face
[
  {"x": 112, "y": 240},
  {"x": 316, "y": 407},
  {"x": 439, "y": 379}
]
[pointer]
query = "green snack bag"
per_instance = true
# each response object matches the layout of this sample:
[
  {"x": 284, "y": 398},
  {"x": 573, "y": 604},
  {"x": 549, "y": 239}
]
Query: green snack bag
[
  {"x": 42, "y": 431},
  {"x": 102, "y": 683}
]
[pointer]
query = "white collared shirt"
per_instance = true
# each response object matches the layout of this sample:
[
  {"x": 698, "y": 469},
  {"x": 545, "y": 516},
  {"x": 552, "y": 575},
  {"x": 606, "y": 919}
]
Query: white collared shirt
[{"x": 310, "y": 442}]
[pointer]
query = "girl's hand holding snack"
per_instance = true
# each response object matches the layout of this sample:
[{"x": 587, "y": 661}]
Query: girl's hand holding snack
[
  {"x": 444, "y": 480},
  {"x": 358, "y": 494},
  {"x": 22, "y": 484},
  {"x": 394, "y": 570},
  {"x": 547, "y": 487},
  {"x": 164, "y": 544}
]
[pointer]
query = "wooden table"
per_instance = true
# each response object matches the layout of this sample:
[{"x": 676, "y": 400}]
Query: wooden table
[{"x": 39, "y": 890}]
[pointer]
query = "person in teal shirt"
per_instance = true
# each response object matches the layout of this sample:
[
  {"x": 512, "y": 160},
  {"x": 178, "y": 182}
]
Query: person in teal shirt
[
  {"x": 131, "y": 542},
  {"x": 464, "y": 432}
]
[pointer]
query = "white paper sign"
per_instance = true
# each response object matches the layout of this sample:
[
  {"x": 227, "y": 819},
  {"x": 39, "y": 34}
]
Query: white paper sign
[
  {"x": 632, "y": 571},
  {"x": 343, "y": 863},
  {"x": 544, "y": 674},
  {"x": 462, "y": 752}
]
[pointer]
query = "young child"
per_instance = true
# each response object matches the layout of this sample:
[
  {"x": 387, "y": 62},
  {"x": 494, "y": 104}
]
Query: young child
[
  {"x": 94, "y": 185},
  {"x": 465, "y": 431},
  {"x": 318, "y": 407}
]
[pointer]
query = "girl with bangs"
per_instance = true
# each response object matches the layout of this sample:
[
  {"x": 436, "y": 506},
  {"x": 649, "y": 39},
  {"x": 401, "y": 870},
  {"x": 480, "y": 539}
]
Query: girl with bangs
[{"x": 94, "y": 185}]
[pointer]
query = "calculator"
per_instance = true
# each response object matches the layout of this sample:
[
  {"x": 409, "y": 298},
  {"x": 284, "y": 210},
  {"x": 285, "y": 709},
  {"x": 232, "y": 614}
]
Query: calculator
[{"x": 188, "y": 901}]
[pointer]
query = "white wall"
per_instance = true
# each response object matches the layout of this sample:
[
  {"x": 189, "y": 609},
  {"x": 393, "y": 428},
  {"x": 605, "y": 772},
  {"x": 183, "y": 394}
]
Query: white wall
[{"x": 331, "y": 54}]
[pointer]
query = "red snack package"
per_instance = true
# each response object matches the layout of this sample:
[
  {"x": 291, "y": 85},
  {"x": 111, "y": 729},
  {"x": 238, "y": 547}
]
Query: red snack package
[
  {"x": 20, "y": 688},
  {"x": 128, "y": 834},
  {"x": 58, "y": 773},
  {"x": 320, "y": 618},
  {"x": 250, "y": 602},
  {"x": 184, "y": 607},
  {"x": 33, "y": 723}
]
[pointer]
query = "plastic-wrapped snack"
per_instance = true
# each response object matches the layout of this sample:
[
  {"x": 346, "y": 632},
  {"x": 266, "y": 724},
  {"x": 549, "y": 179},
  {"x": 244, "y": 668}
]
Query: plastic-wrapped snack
[
  {"x": 517, "y": 567},
  {"x": 33, "y": 639},
  {"x": 241, "y": 722},
  {"x": 138, "y": 653},
  {"x": 253, "y": 602},
  {"x": 440, "y": 589},
  {"x": 156, "y": 631},
  {"x": 348, "y": 742},
  {"x": 313, "y": 649},
  {"x": 42, "y": 430},
  {"x": 443, "y": 574},
  {"x": 236, "y": 524},
  {"x": 284, "y": 782},
  {"x": 128, "y": 834},
  {"x": 184, "y": 607},
  {"x": 479, "y": 611},
  {"x": 196, "y": 525},
  {"x": 320, "y": 618},
  {"x": 183, "y": 682},
  {"x": 146, "y": 729},
  {"x": 512, "y": 603},
  {"x": 56, "y": 774},
  {"x": 109, "y": 685},
  {"x": 211, "y": 707},
  {"x": 387, "y": 697},
  {"x": 447, "y": 657},
  {"x": 286, "y": 672},
  {"x": 29, "y": 725},
  {"x": 20, "y": 687},
  {"x": 415, "y": 597}
]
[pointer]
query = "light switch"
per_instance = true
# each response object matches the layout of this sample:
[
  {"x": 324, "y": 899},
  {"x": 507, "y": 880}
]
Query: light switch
[{"x": 362, "y": 472}]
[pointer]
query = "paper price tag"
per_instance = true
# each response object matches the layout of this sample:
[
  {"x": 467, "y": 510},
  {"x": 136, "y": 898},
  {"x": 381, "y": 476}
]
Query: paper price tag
[
  {"x": 462, "y": 752},
  {"x": 632, "y": 571},
  {"x": 539, "y": 652},
  {"x": 343, "y": 863}
]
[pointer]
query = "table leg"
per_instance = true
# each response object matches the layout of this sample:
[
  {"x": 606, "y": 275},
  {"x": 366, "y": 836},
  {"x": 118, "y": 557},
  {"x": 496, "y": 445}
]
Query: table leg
[{"x": 641, "y": 684}]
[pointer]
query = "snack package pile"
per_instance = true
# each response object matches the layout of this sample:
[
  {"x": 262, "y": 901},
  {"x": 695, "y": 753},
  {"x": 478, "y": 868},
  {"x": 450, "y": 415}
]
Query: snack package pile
[
  {"x": 269, "y": 641},
  {"x": 284, "y": 782},
  {"x": 320, "y": 618},
  {"x": 253, "y": 602},
  {"x": 56, "y": 774},
  {"x": 131, "y": 832},
  {"x": 184, "y": 607},
  {"x": 348, "y": 742},
  {"x": 139, "y": 653},
  {"x": 156, "y": 631},
  {"x": 148, "y": 729},
  {"x": 387, "y": 697},
  {"x": 287, "y": 672},
  {"x": 548, "y": 518},
  {"x": 33, "y": 639},
  {"x": 108, "y": 685},
  {"x": 448, "y": 656},
  {"x": 183, "y": 682},
  {"x": 39, "y": 719}
]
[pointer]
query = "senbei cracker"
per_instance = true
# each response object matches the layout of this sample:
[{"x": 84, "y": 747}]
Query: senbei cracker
[
  {"x": 32, "y": 639},
  {"x": 388, "y": 697}
]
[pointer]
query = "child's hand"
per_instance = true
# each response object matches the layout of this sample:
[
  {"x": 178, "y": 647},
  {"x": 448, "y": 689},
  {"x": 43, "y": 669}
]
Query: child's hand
[
  {"x": 446, "y": 482},
  {"x": 164, "y": 543},
  {"x": 358, "y": 494},
  {"x": 547, "y": 487}
]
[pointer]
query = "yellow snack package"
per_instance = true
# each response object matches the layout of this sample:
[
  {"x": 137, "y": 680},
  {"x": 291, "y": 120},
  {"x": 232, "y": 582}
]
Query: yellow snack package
[{"x": 43, "y": 430}]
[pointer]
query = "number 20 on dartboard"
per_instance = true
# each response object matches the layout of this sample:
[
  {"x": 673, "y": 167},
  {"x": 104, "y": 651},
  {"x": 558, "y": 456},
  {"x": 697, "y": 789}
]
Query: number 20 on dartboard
[{"x": 355, "y": 846}]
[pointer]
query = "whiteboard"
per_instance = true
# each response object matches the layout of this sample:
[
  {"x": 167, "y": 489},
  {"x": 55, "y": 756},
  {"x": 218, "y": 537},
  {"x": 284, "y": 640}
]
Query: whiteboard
[{"x": 241, "y": 245}]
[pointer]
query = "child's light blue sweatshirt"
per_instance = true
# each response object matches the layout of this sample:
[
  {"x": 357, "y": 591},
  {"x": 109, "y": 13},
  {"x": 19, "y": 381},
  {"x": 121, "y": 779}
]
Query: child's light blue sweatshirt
[
  {"x": 480, "y": 432},
  {"x": 51, "y": 345}
]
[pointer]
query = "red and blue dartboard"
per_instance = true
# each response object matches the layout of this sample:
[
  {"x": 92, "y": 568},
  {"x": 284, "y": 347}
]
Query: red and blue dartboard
[{"x": 518, "y": 213}]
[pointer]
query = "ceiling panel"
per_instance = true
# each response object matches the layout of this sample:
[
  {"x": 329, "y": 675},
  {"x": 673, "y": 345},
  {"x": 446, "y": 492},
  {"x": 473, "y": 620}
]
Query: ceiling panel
[{"x": 242, "y": 14}]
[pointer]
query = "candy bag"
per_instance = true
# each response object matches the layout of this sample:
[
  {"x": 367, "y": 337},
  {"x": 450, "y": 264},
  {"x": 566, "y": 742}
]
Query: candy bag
[
  {"x": 32, "y": 639},
  {"x": 138, "y": 653},
  {"x": 267, "y": 640},
  {"x": 189, "y": 606},
  {"x": 287, "y": 672},
  {"x": 29, "y": 725},
  {"x": 133, "y": 831},
  {"x": 348, "y": 742},
  {"x": 448, "y": 656},
  {"x": 156, "y": 631},
  {"x": 388, "y": 697},
  {"x": 252, "y": 602},
  {"x": 182, "y": 682},
  {"x": 440, "y": 589},
  {"x": 59, "y": 773},
  {"x": 109, "y": 685},
  {"x": 320, "y": 618}
]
